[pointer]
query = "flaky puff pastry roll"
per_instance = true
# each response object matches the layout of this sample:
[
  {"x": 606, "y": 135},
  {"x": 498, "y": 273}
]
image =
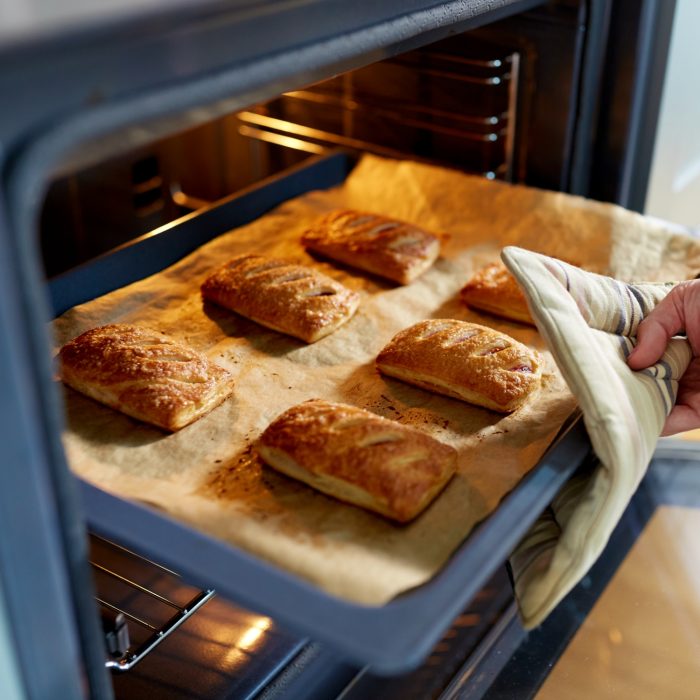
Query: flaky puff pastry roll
[
  {"x": 493, "y": 289},
  {"x": 281, "y": 295},
  {"x": 144, "y": 374},
  {"x": 465, "y": 361},
  {"x": 393, "y": 249},
  {"x": 358, "y": 457}
]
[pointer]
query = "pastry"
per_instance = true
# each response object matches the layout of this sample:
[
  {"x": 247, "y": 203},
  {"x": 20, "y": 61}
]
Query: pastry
[
  {"x": 465, "y": 361},
  {"x": 390, "y": 248},
  {"x": 494, "y": 289},
  {"x": 290, "y": 298},
  {"x": 144, "y": 374},
  {"x": 358, "y": 457}
]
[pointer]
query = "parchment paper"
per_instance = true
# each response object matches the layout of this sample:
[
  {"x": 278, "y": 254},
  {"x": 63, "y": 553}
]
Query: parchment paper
[{"x": 207, "y": 474}]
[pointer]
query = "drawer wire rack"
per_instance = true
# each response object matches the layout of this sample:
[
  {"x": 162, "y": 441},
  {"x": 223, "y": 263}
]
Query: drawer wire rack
[{"x": 138, "y": 598}]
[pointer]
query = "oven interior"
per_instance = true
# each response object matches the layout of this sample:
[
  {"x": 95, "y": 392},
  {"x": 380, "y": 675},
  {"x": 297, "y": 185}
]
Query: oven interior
[{"x": 496, "y": 101}]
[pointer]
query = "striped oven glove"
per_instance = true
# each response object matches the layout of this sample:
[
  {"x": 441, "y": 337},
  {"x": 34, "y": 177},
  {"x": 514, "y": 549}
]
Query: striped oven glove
[{"x": 589, "y": 323}]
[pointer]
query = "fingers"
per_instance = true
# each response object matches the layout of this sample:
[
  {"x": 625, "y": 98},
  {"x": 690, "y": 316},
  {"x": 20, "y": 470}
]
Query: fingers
[
  {"x": 654, "y": 332},
  {"x": 652, "y": 338},
  {"x": 679, "y": 311}
]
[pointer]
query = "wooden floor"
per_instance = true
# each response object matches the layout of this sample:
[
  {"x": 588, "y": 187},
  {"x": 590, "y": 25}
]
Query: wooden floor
[
  {"x": 690, "y": 435},
  {"x": 642, "y": 639}
]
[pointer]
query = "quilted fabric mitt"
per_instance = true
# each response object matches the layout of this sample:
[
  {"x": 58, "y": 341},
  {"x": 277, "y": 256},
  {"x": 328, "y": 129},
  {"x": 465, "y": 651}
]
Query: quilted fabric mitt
[{"x": 589, "y": 323}]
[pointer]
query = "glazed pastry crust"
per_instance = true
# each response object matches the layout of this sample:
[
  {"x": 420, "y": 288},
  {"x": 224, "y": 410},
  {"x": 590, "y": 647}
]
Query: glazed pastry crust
[
  {"x": 494, "y": 289},
  {"x": 293, "y": 299},
  {"x": 144, "y": 374},
  {"x": 359, "y": 457},
  {"x": 393, "y": 249},
  {"x": 463, "y": 360}
]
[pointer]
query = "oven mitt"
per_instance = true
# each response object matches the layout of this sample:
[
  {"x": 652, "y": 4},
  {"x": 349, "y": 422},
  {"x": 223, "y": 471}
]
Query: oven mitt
[{"x": 589, "y": 323}]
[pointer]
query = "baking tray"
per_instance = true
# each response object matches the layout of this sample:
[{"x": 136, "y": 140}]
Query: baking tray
[{"x": 391, "y": 638}]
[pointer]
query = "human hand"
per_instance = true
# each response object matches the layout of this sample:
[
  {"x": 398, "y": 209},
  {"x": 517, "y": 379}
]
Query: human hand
[{"x": 679, "y": 311}]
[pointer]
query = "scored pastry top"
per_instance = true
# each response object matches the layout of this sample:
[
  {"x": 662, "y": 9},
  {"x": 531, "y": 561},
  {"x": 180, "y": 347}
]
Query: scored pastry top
[
  {"x": 144, "y": 374},
  {"x": 359, "y": 457},
  {"x": 492, "y": 288},
  {"x": 464, "y": 360},
  {"x": 388, "y": 247},
  {"x": 294, "y": 299}
]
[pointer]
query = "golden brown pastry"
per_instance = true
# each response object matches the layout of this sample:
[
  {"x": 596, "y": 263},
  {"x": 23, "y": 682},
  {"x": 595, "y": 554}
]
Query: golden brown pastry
[
  {"x": 358, "y": 457},
  {"x": 293, "y": 299},
  {"x": 465, "y": 361},
  {"x": 387, "y": 247},
  {"x": 144, "y": 374},
  {"x": 494, "y": 289}
]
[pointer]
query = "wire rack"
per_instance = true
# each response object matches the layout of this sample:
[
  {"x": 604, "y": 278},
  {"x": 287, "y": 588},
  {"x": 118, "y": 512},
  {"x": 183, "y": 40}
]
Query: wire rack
[
  {"x": 141, "y": 602},
  {"x": 428, "y": 104}
]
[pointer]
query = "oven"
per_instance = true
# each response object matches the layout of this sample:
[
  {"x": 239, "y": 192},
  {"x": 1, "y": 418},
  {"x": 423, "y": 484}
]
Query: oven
[{"x": 183, "y": 120}]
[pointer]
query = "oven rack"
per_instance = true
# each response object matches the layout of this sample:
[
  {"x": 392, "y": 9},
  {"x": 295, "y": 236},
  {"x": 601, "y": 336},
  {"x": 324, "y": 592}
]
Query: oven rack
[{"x": 123, "y": 597}]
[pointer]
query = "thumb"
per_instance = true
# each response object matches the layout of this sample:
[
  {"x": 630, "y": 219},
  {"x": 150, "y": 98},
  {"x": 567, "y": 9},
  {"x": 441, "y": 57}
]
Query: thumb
[{"x": 654, "y": 332}]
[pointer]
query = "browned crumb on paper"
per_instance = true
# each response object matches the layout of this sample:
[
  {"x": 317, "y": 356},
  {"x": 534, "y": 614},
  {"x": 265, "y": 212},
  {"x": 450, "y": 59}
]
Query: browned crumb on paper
[
  {"x": 247, "y": 484},
  {"x": 237, "y": 479}
]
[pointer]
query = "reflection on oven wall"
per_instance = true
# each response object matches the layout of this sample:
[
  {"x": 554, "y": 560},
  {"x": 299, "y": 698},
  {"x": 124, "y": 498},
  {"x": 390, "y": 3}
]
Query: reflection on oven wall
[{"x": 496, "y": 102}]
